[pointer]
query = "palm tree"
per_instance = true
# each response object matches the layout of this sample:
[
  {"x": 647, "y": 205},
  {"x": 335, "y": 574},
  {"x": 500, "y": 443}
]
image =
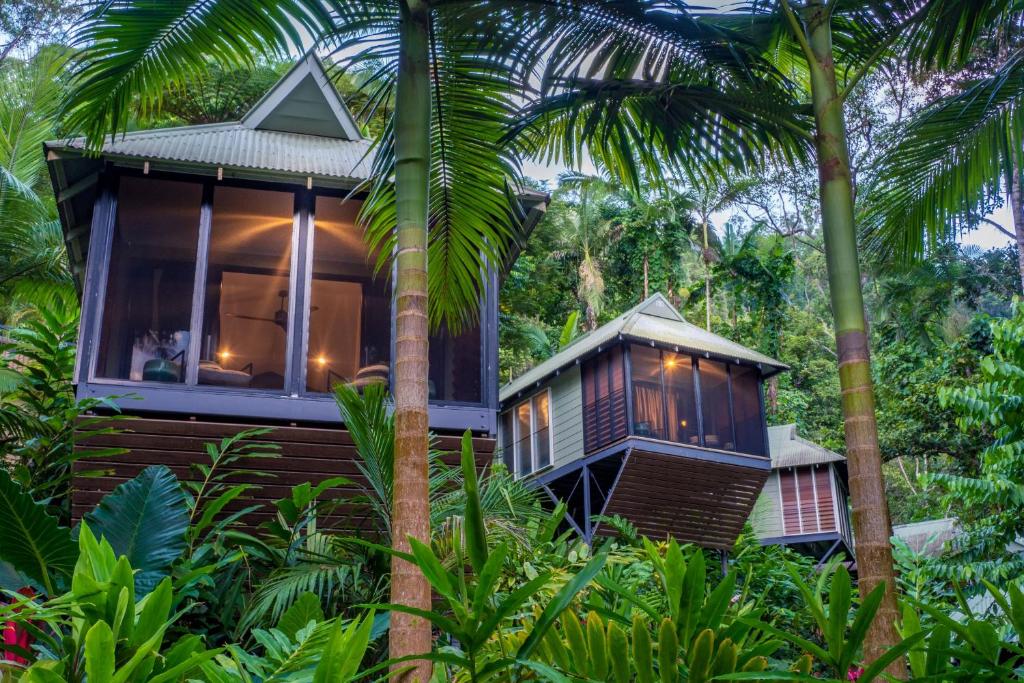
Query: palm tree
[
  {"x": 630, "y": 122},
  {"x": 441, "y": 175},
  {"x": 955, "y": 159},
  {"x": 588, "y": 208}
]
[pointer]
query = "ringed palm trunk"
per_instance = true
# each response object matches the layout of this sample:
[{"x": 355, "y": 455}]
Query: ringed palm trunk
[
  {"x": 1017, "y": 212},
  {"x": 410, "y": 635},
  {"x": 867, "y": 490}
]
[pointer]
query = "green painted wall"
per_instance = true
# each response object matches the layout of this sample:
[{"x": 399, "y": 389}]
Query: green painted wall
[
  {"x": 567, "y": 416},
  {"x": 766, "y": 517}
]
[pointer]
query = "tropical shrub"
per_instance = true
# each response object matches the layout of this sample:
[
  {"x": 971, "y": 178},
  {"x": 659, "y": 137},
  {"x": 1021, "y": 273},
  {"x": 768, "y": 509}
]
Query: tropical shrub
[
  {"x": 993, "y": 501},
  {"x": 41, "y": 420}
]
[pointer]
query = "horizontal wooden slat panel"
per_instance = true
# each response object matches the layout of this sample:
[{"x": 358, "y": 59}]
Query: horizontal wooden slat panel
[
  {"x": 693, "y": 501},
  {"x": 307, "y": 454}
]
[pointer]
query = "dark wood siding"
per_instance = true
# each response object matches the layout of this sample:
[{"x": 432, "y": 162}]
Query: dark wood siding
[
  {"x": 306, "y": 454},
  {"x": 604, "y": 399}
]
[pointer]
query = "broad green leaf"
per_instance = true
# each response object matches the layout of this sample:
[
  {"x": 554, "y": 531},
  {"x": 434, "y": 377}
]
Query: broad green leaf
[
  {"x": 560, "y": 602},
  {"x": 476, "y": 538},
  {"x": 305, "y": 609},
  {"x": 31, "y": 540},
  {"x": 99, "y": 653},
  {"x": 144, "y": 519}
]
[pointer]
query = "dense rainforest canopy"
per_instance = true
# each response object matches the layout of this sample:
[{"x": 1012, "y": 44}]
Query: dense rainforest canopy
[{"x": 739, "y": 248}]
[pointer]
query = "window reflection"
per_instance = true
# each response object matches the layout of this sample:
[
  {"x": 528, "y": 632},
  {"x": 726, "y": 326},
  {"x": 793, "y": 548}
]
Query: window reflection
[
  {"x": 245, "y": 317},
  {"x": 148, "y": 305},
  {"x": 350, "y": 309}
]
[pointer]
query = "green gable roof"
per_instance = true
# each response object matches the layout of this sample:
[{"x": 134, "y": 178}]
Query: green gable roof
[
  {"x": 300, "y": 128},
  {"x": 787, "y": 449}
]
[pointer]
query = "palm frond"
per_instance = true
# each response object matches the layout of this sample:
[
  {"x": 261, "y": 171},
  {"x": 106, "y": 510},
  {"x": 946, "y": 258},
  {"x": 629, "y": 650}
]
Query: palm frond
[
  {"x": 132, "y": 51},
  {"x": 951, "y": 161},
  {"x": 690, "y": 126},
  {"x": 32, "y": 92}
]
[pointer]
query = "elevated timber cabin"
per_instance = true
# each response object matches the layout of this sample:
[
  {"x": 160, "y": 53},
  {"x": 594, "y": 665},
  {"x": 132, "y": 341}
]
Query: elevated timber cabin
[
  {"x": 225, "y": 284},
  {"x": 648, "y": 417}
]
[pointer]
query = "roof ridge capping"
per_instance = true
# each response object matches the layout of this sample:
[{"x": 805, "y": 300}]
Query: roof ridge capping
[{"x": 304, "y": 101}]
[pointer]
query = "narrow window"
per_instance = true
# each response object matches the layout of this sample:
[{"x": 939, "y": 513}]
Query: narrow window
[
  {"x": 604, "y": 399},
  {"x": 524, "y": 439},
  {"x": 542, "y": 431},
  {"x": 350, "y": 308},
  {"x": 648, "y": 397},
  {"x": 455, "y": 362},
  {"x": 746, "y": 408},
  {"x": 508, "y": 450},
  {"x": 148, "y": 303},
  {"x": 714, "y": 396},
  {"x": 680, "y": 406},
  {"x": 246, "y": 312}
]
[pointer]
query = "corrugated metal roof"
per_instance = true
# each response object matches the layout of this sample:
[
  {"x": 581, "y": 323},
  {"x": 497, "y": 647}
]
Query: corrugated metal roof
[
  {"x": 789, "y": 450},
  {"x": 234, "y": 145},
  {"x": 653, "y": 320}
]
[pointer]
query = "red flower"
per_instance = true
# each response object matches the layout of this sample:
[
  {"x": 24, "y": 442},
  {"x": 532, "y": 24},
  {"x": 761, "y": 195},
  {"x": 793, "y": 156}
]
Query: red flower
[
  {"x": 17, "y": 635},
  {"x": 854, "y": 673}
]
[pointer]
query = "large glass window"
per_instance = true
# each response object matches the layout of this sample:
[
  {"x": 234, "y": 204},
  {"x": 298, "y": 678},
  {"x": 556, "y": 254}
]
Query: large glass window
[
  {"x": 350, "y": 309},
  {"x": 455, "y": 362},
  {"x": 715, "y": 409},
  {"x": 148, "y": 304},
  {"x": 746, "y": 410},
  {"x": 247, "y": 334},
  {"x": 679, "y": 398},
  {"x": 246, "y": 312},
  {"x": 526, "y": 435},
  {"x": 648, "y": 397}
]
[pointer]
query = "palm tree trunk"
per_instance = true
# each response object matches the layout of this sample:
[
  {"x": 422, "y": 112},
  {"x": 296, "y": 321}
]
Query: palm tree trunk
[
  {"x": 410, "y": 635},
  {"x": 1017, "y": 211},
  {"x": 867, "y": 489},
  {"x": 707, "y": 275}
]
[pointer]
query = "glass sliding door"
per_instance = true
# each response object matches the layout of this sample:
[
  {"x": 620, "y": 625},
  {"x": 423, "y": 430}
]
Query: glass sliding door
[
  {"x": 246, "y": 313},
  {"x": 147, "y": 306}
]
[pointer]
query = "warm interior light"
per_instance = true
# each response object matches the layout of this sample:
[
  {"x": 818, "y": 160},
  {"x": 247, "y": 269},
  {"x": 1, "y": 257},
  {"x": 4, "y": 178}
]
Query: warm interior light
[
  {"x": 670, "y": 363},
  {"x": 321, "y": 361},
  {"x": 225, "y": 354},
  {"x": 682, "y": 423}
]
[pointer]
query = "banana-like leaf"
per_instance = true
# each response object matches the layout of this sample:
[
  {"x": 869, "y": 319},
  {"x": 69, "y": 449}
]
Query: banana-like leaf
[
  {"x": 31, "y": 540},
  {"x": 144, "y": 519}
]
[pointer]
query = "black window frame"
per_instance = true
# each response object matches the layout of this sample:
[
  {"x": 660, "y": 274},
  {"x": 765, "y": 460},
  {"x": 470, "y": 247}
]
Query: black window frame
[
  {"x": 698, "y": 398},
  {"x": 293, "y": 402}
]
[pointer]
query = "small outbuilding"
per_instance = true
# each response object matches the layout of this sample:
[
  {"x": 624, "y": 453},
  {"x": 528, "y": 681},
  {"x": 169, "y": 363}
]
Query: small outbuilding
[
  {"x": 804, "y": 501},
  {"x": 647, "y": 417}
]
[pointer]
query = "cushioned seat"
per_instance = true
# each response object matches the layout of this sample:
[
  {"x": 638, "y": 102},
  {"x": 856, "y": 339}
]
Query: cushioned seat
[{"x": 210, "y": 372}]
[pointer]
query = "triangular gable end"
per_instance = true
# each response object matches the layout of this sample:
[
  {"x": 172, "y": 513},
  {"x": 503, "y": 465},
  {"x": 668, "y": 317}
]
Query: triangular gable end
[
  {"x": 658, "y": 306},
  {"x": 304, "y": 101}
]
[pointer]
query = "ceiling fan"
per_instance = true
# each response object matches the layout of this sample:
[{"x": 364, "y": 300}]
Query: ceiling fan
[{"x": 280, "y": 315}]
